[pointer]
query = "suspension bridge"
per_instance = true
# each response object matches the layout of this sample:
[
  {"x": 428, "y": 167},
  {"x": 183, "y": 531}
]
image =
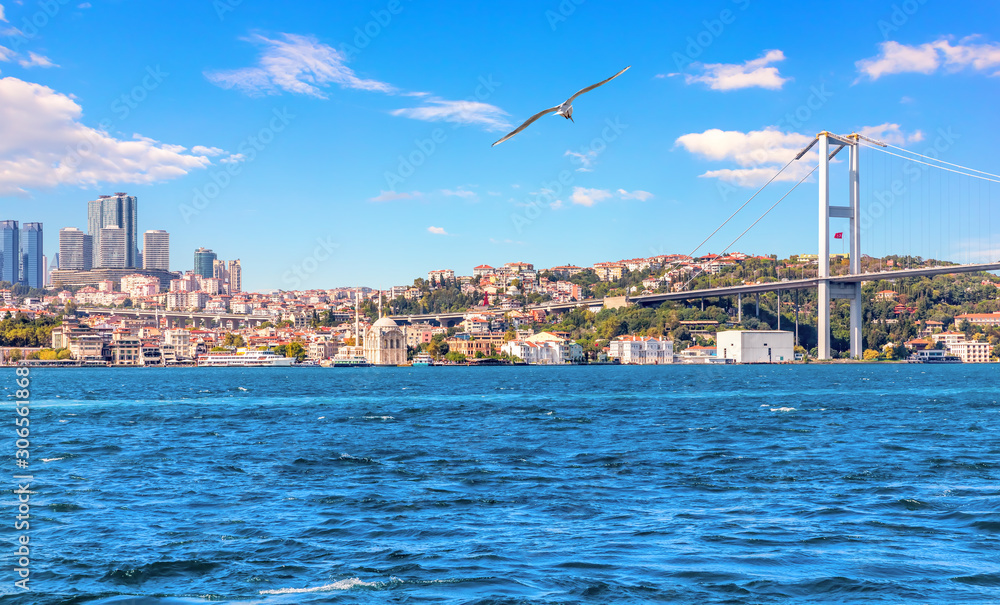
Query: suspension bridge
[{"x": 917, "y": 207}]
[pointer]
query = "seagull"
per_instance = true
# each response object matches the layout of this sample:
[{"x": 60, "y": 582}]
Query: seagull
[{"x": 565, "y": 110}]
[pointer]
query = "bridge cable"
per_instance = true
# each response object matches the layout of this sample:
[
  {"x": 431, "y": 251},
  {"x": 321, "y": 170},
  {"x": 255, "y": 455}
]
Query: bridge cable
[
  {"x": 996, "y": 180},
  {"x": 742, "y": 207},
  {"x": 943, "y": 162},
  {"x": 766, "y": 212}
]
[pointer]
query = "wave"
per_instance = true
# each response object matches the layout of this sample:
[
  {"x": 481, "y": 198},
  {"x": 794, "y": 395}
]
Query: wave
[{"x": 338, "y": 585}]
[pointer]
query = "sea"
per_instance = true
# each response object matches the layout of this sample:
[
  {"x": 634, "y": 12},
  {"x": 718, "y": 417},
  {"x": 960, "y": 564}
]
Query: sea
[{"x": 840, "y": 483}]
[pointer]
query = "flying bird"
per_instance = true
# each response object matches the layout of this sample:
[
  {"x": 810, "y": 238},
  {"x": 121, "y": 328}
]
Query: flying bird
[{"x": 565, "y": 110}]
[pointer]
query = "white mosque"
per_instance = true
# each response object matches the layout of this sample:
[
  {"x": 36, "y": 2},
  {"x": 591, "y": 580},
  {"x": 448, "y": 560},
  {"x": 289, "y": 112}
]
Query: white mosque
[{"x": 384, "y": 342}]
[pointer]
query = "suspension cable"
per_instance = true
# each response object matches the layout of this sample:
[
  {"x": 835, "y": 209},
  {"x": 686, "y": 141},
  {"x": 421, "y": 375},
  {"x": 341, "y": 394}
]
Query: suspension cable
[{"x": 934, "y": 165}]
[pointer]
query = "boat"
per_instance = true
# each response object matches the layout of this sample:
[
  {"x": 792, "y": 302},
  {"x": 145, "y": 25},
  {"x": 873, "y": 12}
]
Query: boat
[
  {"x": 423, "y": 360},
  {"x": 243, "y": 358},
  {"x": 353, "y": 361}
]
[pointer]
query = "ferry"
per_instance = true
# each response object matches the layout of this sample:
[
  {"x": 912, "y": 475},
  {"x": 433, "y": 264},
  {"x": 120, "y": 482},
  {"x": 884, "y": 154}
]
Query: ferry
[
  {"x": 243, "y": 358},
  {"x": 353, "y": 361},
  {"x": 423, "y": 360}
]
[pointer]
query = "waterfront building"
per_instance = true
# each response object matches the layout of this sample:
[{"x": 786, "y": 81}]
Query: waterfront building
[
  {"x": 756, "y": 346},
  {"x": 384, "y": 343},
  {"x": 10, "y": 252},
  {"x": 204, "y": 260},
  {"x": 118, "y": 210},
  {"x": 33, "y": 272},
  {"x": 641, "y": 350},
  {"x": 156, "y": 250},
  {"x": 971, "y": 351}
]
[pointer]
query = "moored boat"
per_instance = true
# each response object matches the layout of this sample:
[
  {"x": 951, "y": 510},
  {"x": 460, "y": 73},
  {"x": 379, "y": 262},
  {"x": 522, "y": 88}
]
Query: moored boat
[{"x": 243, "y": 358}]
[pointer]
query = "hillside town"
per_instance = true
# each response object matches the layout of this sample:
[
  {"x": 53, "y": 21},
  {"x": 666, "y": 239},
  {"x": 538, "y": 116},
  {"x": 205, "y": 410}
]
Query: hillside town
[{"x": 494, "y": 315}]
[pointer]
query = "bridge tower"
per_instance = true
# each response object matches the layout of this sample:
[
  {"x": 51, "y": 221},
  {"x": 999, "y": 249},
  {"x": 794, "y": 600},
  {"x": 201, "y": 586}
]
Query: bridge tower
[{"x": 827, "y": 289}]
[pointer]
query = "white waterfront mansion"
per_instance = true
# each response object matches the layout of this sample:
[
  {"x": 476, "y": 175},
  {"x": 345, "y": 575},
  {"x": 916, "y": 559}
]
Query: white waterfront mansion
[{"x": 642, "y": 350}]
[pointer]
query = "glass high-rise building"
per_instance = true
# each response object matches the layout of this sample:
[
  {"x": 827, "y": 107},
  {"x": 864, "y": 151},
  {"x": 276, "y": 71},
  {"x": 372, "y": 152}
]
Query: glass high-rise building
[
  {"x": 114, "y": 252},
  {"x": 34, "y": 263},
  {"x": 10, "y": 252},
  {"x": 75, "y": 250},
  {"x": 156, "y": 250},
  {"x": 118, "y": 210},
  {"x": 204, "y": 259}
]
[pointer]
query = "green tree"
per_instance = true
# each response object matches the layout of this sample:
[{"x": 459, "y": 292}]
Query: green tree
[
  {"x": 296, "y": 350},
  {"x": 455, "y": 357}
]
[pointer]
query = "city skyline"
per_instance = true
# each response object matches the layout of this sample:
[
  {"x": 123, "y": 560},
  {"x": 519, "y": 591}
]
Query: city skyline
[{"x": 341, "y": 131}]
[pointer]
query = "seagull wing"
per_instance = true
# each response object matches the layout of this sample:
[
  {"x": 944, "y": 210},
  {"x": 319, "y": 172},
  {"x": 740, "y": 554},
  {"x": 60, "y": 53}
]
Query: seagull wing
[
  {"x": 590, "y": 88},
  {"x": 526, "y": 124}
]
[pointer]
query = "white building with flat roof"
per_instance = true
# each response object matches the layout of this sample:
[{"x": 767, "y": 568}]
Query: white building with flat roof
[{"x": 756, "y": 346}]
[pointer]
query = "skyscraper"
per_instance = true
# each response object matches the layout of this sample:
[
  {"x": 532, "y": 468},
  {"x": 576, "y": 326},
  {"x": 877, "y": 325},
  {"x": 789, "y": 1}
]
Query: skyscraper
[
  {"x": 10, "y": 252},
  {"x": 219, "y": 272},
  {"x": 203, "y": 262},
  {"x": 34, "y": 265},
  {"x": 118, "y": 210},
  {"x": 114, "y": 252},
  {"x": 235, "y": 276},
  {"x": 75, "y": 250},
  {"x": 156, "y": 250}
]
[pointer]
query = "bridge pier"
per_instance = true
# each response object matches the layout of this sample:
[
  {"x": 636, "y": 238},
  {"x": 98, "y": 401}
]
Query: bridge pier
[{"x": 739, "y": 308}]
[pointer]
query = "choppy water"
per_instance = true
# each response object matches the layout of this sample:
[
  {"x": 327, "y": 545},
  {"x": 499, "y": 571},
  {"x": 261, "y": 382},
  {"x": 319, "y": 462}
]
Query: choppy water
[{"x": 860, "y": 484}]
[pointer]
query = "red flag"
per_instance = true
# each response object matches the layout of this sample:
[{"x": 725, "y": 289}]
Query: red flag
[{"x": 839, "y": 235}]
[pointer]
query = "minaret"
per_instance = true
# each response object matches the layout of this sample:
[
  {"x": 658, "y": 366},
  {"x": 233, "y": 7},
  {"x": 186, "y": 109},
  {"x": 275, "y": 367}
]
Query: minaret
[
  {"x": 380, "y": 304},
  {"x": 357, "y": 322}
]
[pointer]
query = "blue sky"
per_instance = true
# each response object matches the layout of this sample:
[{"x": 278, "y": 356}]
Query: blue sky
[{"x": 377, "y": 145}]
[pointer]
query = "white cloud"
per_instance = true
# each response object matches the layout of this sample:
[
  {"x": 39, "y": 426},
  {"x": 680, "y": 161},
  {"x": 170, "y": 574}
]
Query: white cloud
[
  {"x": 758, "y": 153},
  {"x": 891, "y": 133},
  {"x": 296, "y": 64},
  {"x": 33, "y": 59},
  {"x": 209, "y": 151},
  {"x": 582, "y": 196},
  {"x": 756, "y": 73},
  {"x": 927, "y": 58},
  {"x": 585, "y": 159},
  {"x": 43, "y": 144},
  {"x": 234, "y": 158},
  {"x": 437, "y": 230},
  {"x": 83, "y": 5},
  {"x": 391, "y": 196},
  {"x": 638, "y": 194},
  {"x": 475, "y": 113},
  {"x": 2, "y": 17},
  {"x": 460, "y": 192}
]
